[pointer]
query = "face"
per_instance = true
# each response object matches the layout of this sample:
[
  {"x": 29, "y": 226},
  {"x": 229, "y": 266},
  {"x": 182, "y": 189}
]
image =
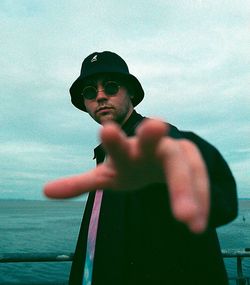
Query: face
[{"x": 105, "y": 107}]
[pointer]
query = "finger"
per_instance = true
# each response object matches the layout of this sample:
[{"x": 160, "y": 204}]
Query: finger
[
  {"x": 98, "y": 178},
  {"x": 201, "y": 187},
  {"x": 149, "y": 133},
  {"x": 70, "y": 186},
  {"x": 180, "y": 182},
  {"x": 116, "y": 144}
]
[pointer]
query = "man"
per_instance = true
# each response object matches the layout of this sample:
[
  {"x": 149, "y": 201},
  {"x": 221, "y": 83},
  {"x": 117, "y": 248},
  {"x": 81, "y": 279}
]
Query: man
[{"x": 160, "y": 195}]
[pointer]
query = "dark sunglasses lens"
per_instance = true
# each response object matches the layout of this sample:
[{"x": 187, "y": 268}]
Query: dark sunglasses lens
[
  {"x": 111, "y": 88},
  {"x": 89, "y": 92}
]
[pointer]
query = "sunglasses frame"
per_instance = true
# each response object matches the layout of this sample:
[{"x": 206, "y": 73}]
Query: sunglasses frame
[{"x": 105, "y": 85}]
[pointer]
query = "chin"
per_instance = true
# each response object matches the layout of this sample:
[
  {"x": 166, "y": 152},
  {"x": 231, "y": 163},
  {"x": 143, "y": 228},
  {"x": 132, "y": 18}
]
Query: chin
[{"x": 105, "y": 119}]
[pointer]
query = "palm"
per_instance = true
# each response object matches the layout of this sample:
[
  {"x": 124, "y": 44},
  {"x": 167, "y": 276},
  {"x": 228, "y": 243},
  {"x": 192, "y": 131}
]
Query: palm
[{"x": 132, "y": 162}]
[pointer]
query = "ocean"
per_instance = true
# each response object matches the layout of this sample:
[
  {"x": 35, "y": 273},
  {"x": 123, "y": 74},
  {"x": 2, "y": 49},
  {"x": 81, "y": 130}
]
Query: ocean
[{"x": 53, "y": 226}]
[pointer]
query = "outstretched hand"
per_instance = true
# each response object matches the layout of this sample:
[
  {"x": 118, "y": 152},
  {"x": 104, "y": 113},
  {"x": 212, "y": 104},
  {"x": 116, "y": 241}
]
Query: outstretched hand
[{"x": 149, "y": 157}]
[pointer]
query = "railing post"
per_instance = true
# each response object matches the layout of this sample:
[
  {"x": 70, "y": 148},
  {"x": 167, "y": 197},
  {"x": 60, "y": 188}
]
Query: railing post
[{"x": 241, "y": 280}]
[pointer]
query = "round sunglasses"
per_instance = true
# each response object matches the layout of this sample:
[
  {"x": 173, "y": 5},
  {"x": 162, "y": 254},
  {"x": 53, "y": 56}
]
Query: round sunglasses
[{"x": 110, "y": 88}]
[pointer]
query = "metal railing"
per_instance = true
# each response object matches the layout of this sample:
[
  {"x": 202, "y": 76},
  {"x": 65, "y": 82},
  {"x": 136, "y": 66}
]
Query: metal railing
[
  {"x": 35, "y": 257},
  {"x": 240, "y": 279}
]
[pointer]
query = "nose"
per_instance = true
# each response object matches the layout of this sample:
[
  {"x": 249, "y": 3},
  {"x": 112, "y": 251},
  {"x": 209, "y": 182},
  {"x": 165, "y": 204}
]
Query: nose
[{"x": 101, "y": 95}]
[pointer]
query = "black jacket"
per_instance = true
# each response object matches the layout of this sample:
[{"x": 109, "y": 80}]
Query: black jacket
[{"x": 139, "y": 241}]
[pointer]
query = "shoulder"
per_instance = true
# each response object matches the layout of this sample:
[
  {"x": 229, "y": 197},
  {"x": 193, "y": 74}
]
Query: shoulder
[{"x": 209, "y": 152}]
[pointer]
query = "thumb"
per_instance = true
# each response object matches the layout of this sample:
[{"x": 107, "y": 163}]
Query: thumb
[{"x": 71, "y": 186}]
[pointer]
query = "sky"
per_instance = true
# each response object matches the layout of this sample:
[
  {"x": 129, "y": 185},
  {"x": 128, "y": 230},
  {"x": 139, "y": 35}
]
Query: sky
[{"x": 191, "y": 57}]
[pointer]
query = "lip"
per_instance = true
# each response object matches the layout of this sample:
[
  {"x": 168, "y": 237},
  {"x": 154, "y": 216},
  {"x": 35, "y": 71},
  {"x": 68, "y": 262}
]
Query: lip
[{"x": 103, "y": 109}]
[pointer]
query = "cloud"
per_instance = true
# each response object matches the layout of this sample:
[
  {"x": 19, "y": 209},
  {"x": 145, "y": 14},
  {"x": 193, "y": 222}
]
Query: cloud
[
  {"x": 192, "y": 57},
  {"x": 27, "y": 166}
]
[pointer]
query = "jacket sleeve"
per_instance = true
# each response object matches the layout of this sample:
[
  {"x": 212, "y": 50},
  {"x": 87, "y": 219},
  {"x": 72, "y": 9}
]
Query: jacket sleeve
[{"x": 223, "y": 195}]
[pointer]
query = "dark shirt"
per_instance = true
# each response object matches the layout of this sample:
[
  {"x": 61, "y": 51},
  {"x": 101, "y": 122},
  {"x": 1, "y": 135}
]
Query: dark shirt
[{"x": 139, "y": 241}]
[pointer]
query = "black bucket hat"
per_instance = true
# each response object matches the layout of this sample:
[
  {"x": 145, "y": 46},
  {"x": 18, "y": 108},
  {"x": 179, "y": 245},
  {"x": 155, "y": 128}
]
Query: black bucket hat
[{"x": 104, "y": 62}]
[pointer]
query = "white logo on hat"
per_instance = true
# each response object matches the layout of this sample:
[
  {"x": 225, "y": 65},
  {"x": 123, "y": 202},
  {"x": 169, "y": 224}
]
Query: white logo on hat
[{"x": 94, "y": 58}]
